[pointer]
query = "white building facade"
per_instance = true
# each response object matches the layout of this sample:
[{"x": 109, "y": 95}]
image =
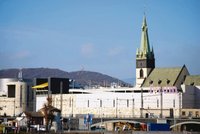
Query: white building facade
[
  {"x": 116, "y": 103},
  {"x": 16, "y": 96}
]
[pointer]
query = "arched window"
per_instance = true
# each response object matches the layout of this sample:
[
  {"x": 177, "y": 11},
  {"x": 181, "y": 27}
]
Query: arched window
[{"x": 141, "y": 73}]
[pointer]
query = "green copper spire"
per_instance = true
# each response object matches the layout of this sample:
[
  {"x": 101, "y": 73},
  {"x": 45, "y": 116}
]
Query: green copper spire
[
  {"x": 144, "y": 51},
  {"x": 144, "y": 46}
]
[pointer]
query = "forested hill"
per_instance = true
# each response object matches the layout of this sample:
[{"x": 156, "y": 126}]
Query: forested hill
[{"x": 82, "y": 77}]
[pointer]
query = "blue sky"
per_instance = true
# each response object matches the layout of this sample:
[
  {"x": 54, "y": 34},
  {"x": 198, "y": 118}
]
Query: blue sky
[{"x": 98, "y": 35}]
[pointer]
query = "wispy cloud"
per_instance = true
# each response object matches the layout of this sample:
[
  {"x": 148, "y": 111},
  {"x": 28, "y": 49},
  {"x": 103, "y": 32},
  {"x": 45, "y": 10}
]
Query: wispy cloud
[
  {"x": 87, "y": 50},
  {"x": 20, "y": 55},
  {"x": 15, "y": 59}
]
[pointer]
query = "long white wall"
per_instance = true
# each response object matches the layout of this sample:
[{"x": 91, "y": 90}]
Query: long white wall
[{"x": 113, "y": 104}]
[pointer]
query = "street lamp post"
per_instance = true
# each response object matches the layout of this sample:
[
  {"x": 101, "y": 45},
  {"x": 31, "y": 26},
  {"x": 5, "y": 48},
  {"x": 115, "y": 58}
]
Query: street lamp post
[
  {"x": 133, "y": 107},
  {"x": 14, "y": 109},
  {"x": 69, "y": 124},
  {"x": 61, "y": 96},
  {"x": 161, "y": 99},
  {"x": 116, "y": 107}
]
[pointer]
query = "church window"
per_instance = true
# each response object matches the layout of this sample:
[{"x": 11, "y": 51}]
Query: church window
[
  {"x": 141, "y": 73},
  {"x": 157, "y": 103}
]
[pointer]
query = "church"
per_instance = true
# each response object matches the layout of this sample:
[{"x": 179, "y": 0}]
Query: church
[{"x": 166, "y": 80}]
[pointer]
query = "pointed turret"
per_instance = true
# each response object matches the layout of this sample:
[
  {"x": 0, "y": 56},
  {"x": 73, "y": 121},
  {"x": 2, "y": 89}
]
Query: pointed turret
[
  {"x": 145, "y": 61},
  {"x": 145, "y": 51}
]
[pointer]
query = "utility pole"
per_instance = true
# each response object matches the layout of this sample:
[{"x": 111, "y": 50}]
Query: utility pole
[
  {"x": 180, "y": 103},
  {"x": 61, "y": 97},
  {"x": 72, "y": 106},
  {"x": 14, "y": 108},
  {"x": 116, "y": 107},
  {"x": 161, "y": 99},
  {"x": 142, "y": 107},
  {"x": 161, "y": 102}
]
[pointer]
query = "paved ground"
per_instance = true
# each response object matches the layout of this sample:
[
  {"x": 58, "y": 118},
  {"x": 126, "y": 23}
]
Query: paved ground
[{"x": 129, "y": 132}]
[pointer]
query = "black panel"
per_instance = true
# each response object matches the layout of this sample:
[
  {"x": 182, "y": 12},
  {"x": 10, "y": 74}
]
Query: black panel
[
  {"x": 171, "y": 113},
  {"x": 151, "y": 63},
  {"x": 55, "y": 85},
  {"x": 39, "y": 81}
]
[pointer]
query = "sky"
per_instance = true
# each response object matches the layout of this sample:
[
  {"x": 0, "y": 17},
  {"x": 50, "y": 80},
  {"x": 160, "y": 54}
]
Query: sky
[{"x": 98, "y": 35}]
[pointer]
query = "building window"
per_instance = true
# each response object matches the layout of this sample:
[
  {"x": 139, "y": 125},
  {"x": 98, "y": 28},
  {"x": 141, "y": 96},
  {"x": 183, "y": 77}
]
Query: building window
[
  {"x": 113, "y": 103},
  {"x": 190, "y": 114},
  {"x": 141, "y": 73},
  {"x": 88, "y": 103},
  {"x": 27, "y": 96},
  {"x": 183, "y": 113},
  {"x": 174, "y": 103},
  {"x": 70, "y": 102},
  {"x": 32, "y": 95},
  {"x": 127, "y": 103},
  {"x": 157, "y": 103},
  {"x": 197, "y": 113},
  {"x": 20, "y": 95},
  {"x": 100, "y": 103},
  {"x": 11, "y": 91}
]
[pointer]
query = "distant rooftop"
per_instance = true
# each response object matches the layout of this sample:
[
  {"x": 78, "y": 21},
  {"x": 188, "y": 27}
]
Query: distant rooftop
[
  {"x": 192, "y": 80},
  {"x": 163, "y": 74}
]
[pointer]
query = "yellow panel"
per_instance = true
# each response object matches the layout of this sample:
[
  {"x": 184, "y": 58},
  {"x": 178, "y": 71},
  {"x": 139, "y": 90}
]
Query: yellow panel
[{"x": 40, "y": 86}]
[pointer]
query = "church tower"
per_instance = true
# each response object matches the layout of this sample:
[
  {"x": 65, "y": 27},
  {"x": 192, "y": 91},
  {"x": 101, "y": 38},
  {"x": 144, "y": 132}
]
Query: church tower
[{"x": 145, "y": 61}]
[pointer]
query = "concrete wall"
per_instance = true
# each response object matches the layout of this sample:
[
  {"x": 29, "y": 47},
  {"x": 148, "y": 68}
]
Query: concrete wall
[
  {"x": 112, "y": 104},
  {"x": 188, "y": 100}
]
